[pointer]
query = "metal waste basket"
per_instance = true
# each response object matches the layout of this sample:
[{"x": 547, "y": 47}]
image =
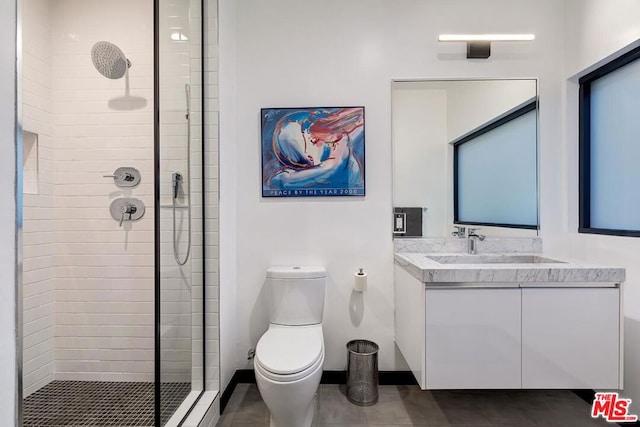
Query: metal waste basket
[{"x": 362, "y": 372}]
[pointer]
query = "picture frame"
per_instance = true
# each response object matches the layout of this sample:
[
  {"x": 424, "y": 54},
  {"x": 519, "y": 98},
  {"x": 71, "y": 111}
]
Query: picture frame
[{"x": 313, "y": 151}]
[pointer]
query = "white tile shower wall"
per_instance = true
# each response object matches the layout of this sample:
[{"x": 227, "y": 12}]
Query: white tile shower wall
[
  {"x": 212, "y": 194},
  {"x": 196, "y": 146},
  {"x": 38, "y": 279},
  {"x": 104, "y": 273}
]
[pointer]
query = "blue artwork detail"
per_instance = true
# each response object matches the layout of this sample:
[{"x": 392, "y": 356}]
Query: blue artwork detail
[{"x": 309, "y": 152}]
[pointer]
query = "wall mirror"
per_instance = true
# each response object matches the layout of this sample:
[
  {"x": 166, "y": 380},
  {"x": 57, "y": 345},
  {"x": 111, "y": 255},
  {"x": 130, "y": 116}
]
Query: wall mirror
[{"x": 465, "y": 153}]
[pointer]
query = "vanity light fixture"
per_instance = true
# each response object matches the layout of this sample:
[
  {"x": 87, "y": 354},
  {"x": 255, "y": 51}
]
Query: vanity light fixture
[{"x": 479, "y": 45}]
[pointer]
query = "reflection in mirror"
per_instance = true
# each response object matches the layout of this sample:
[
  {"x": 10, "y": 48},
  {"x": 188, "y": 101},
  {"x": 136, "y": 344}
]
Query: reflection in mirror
[{"x": 432, "y": 121}]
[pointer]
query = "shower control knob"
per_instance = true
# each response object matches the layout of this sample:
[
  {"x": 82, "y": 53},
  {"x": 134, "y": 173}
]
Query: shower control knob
[
  {"x": 125, "y": 176},
  {"x": 126, "y": 209}
]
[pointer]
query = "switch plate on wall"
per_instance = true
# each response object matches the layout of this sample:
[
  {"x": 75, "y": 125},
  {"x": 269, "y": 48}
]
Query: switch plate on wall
[
  {"x": 399, "y": 223},
  {"x": 407, "y": 222}
]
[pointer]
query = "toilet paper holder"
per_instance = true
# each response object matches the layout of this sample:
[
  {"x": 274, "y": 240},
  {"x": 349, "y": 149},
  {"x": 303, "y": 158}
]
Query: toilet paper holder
[{"x": 360, "y": 281}]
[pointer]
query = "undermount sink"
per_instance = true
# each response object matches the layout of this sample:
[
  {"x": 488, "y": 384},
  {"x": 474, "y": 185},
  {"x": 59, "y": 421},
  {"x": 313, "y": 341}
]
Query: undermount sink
[{"x": 491, "y": 259}]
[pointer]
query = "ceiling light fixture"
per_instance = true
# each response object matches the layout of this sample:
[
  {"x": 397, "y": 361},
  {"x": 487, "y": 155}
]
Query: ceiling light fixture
[{"x": 479, "y": 45}]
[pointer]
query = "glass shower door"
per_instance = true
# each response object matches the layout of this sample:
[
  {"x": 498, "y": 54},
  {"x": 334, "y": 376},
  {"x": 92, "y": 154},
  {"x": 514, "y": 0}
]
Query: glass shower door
[{"x": 180, "y": 208}]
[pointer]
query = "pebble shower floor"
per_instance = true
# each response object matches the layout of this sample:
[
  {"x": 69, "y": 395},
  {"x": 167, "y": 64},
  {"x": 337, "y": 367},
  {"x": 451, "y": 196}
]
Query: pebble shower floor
[{"x": 100, "y": 403}]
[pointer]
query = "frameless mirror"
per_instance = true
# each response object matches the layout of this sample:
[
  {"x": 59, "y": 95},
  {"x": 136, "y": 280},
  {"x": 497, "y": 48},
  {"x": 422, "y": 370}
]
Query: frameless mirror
[{"x": 465, "y": 153}]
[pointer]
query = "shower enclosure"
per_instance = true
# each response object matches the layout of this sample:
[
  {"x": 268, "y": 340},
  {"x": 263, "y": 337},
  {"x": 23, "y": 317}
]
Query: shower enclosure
[{"x": 111, "y": 191}]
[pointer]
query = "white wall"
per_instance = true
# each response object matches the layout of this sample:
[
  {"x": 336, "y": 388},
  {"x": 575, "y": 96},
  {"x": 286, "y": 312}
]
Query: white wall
[
  {"x": 104, "y": 273},
  {"x": 8, "y": 383},
  {"x": 291, "y": 53},
  {"x": 38, "y": 277},
  {"x": 596, "y": 31},
  {"x": 227, "y": 77}
]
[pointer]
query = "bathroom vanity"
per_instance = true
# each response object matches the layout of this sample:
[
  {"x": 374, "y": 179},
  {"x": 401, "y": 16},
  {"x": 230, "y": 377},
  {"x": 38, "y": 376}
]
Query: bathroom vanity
[{"x": 508, "y": 317}]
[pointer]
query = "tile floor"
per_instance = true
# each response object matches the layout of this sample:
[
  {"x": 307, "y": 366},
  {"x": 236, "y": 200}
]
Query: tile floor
[
  {"x": 100, "y": 403},
  {"x": 408, "y": 405}
]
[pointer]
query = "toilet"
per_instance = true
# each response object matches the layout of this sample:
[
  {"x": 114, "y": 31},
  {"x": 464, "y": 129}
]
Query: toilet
[{"x": 289, "y": 356}]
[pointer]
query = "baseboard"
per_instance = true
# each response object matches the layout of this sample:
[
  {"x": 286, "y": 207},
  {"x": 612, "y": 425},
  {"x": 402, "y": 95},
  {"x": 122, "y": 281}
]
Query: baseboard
[
  {"x": 384, "y": 378},
  {"x": 228, "y": 391},
  {"x": 247, "y": 376},
  {"x": 585, "y": 394},
  {"x": 397, "y": 378},
  {"x": 334, "y": 377}
]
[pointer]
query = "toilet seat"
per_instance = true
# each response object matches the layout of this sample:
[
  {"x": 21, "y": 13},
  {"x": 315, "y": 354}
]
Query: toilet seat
[{"x": 288, "y": 353}]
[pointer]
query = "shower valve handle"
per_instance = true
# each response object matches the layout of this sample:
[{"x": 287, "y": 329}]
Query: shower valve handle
[
  {"x": 125, "y": 176},
  {"x": 126, "y": 209},
  {"x": 130, "y": 210}
]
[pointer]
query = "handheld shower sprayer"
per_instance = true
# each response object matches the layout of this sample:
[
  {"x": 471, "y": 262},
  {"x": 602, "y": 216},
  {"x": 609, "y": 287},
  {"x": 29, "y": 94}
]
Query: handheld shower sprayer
[
  {"x": 187, "y": 92},
  {"x": 176, "y": 183}
]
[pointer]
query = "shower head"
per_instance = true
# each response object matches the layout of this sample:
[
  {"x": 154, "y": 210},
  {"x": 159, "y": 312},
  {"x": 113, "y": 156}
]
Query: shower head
[{"x": 109, "y": 60}]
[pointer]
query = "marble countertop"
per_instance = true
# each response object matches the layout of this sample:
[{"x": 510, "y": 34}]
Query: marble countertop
[{"x": 566, "y": 273}]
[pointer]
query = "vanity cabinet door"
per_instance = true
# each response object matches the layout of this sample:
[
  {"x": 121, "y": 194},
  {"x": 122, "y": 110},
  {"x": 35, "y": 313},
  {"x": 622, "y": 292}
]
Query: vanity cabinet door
[
  {"x": 473, "y": 338},
  {"x": 409, "y": 321},
  {"x": 571, "y": 338}
]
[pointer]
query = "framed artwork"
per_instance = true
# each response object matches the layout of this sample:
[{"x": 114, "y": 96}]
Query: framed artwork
[{"x": 313, "y": 152}]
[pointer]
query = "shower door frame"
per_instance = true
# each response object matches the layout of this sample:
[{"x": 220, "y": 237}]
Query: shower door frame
[
  {"x": 156, "y": 176},
  {"x": 19, "y": 198},
  {"x": 19, "y": 211}
]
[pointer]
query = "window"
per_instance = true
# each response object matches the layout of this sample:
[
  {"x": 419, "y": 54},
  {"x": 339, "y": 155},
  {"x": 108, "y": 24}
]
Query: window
[
  {"x": 609, "y": 187},
  {"x": 495, "y": 171}
]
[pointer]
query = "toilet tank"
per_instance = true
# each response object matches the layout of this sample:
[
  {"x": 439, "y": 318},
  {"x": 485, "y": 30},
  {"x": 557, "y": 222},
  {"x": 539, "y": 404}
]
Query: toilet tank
[{"x": 296, "y": 295}]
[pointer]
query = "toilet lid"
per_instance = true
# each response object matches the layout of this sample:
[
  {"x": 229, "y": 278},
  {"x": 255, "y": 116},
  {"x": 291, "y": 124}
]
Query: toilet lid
[{"x": 287, "y": 350}]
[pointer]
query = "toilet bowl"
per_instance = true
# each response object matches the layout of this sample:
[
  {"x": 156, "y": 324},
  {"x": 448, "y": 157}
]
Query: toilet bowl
[
  {"x": 289, "y": 356},
  {"x": 288, "y": 368}
]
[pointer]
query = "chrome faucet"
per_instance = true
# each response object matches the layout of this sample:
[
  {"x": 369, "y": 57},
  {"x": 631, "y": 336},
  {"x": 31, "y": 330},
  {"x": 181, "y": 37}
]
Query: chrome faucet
[
  {"x": 473, "y": 240},
  {"x": 459, "y": 233}
]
